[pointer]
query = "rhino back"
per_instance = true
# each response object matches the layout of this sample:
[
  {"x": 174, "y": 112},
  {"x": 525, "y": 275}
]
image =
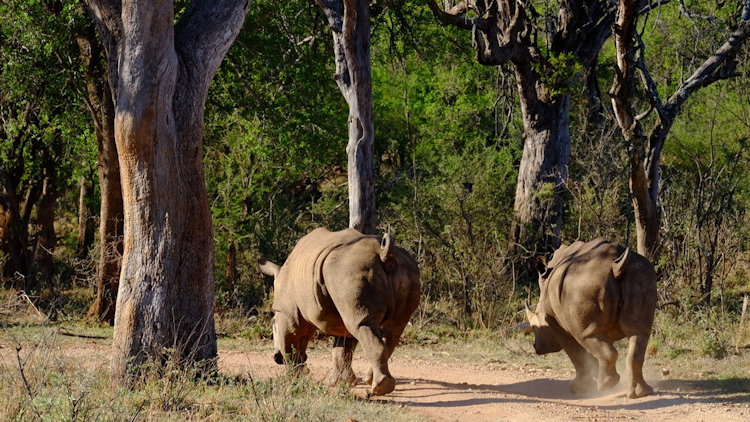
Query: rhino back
[
  {"x": 363, "y": 289},
  {"x": 302, "y": 276},
  {"x": 581, "y": 293}
]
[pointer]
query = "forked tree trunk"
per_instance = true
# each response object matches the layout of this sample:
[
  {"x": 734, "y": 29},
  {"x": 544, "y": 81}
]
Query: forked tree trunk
[
  {"x": 510, "y": 31},
  {"x": 350, "y": 25},
  {"x": 162, "y": 72},
  {"x": 645, "y": 151},
  {"x": 543, "y": 171}
]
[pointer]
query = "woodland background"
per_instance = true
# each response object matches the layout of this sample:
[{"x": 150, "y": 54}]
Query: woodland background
[{"x": 448, "y": 142}]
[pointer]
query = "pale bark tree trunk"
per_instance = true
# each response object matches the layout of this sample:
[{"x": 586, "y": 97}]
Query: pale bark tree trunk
[
  {"x": 645, "y": 150},
  {"x": 505, "y": 31},
  {"x": 111, "y": 214},
  {"x": 350, "y": 24},
  {"x": 162, "y": 72},
  {"x": 546, "y": 151}
]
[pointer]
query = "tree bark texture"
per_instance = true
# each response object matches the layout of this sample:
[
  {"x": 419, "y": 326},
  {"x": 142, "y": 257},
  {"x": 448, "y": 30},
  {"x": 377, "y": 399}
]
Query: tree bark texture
[
  {"x": 350, "y": 24},
  {"x": 546, "y": 152},
  {"x": 644, "y": 151},
  {"x": 15, "y": 234},
  {"x": 506, "y": 31},
  {"x": 162, "y": 72},
  {"x": 40, "y": 275},
  {"x": 111, "y": 214},
  {"x": 85, "y": 227}
]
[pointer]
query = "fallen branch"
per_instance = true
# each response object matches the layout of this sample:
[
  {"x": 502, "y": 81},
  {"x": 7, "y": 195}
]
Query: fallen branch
[
  {"x": 64, "y": 332},
  {"x": 28, "y": 299}
]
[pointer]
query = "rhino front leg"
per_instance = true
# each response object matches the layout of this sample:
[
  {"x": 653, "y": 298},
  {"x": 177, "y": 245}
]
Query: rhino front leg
[
  {"x": 343, "y": 350},
  {"x": 376, "y": 354},
  {"x": 606, "y": 354},
  {"x": 584, "y": 363},
  {"x": 636, "y": 353}
]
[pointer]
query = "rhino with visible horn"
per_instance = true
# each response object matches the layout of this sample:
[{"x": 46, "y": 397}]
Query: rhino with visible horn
[
  {"x": 593, "y": 294},
  {"x": 348, "y": 285}
]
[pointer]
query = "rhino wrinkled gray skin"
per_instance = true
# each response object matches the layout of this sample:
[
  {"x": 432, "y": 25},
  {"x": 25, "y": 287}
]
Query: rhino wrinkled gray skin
[
  {"x": 350, "y": 286},
  {"x": 593, "y": 294}
]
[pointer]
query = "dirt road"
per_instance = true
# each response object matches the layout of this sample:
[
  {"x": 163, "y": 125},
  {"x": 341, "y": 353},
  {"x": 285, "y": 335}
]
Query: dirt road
[{"x": 457, "y": 391}]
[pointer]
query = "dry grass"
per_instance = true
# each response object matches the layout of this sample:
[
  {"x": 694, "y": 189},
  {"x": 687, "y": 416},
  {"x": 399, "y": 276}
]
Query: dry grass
[{"x": 44, "y": 376}]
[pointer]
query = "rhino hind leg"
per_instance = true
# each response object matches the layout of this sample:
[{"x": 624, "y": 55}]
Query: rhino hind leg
[
  {"x": 636, "y": 353},
  {"x": 606, "y": 355},
  {"x": 376, "y": 354},
  {"x": 343, "y": 350},
  {"x": 391, "y": 337}
]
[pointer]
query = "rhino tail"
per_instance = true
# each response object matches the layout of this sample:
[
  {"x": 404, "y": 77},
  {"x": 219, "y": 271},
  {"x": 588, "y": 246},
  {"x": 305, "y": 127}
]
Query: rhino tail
[
  {"x": 387, "y": 251},
  {"x": 620, "y": 265},
  {"x": 268, "y": 267}
]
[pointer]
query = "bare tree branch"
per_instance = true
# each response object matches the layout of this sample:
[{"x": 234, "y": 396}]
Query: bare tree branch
[
  {"x": 206, "y": 31},
  {"x": 456, "y": 17},
  {"x": 711, "y": 69}
]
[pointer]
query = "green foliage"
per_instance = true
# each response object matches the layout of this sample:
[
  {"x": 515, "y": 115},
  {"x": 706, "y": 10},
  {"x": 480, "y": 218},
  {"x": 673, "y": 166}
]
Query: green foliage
[
  {"x": 448, "y": 143},
  {"x": 558, "y": 73},
  {"x": 275, "y": 130}
]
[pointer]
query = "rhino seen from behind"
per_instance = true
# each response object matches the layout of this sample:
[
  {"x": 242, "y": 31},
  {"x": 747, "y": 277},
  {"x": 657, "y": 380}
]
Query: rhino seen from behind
[
  {"x": 593, "y": 294},
  {"x": 350, "y": 286}
]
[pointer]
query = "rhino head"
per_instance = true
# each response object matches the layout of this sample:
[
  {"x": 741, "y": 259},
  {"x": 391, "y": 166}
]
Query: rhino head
[
  {"x": 545, "y": 340},
  {"x": 283, "y": 326}
]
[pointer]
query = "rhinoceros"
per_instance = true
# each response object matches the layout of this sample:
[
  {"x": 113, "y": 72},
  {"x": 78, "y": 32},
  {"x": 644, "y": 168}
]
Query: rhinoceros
[
  {"x": 350, "y": 286},
  {"x": 593, "y": 294}
]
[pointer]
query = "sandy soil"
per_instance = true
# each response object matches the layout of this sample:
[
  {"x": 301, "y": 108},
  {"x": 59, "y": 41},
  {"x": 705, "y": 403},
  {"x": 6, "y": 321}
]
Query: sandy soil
[
  {"x": 445, "y": 389},
  {"x": 457, "y": 391}
]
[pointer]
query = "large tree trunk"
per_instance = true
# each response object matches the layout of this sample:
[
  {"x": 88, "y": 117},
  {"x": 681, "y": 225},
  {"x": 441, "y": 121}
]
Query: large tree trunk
[
  {"x": 543, "y": 171},
  {"x": 350, "y": 24},
  {"x": 162, "y": 72},
  {"x": 111, "y": 214}
]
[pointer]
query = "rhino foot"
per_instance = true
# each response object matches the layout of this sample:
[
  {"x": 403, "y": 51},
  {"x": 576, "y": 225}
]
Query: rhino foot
[
  {"x": 640, "y": 390},
  {"x": 582, "y": 385},
  {"x": 607, "y": 381},
  {"x": 346, "y": 376},
  {"x": 384, "y": 386}
]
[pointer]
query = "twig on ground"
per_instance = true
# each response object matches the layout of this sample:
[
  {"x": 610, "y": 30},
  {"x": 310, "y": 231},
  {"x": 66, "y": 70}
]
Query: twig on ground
[{"x": 64, "y": 332}]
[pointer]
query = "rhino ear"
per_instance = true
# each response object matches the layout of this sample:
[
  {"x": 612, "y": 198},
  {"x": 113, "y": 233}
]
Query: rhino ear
[
  {"x": 620, "y": 265},
  {"x": 387, "y": 251},
  {"x": 268, "y": 267}
]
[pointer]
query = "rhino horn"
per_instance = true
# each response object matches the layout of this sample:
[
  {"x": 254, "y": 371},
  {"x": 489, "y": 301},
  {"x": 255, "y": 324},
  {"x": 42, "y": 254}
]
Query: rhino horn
[
  {"x": 620, "y": 265},
  {"x": 526, "y": 328},
  {"x": 530, "y": 316}
]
